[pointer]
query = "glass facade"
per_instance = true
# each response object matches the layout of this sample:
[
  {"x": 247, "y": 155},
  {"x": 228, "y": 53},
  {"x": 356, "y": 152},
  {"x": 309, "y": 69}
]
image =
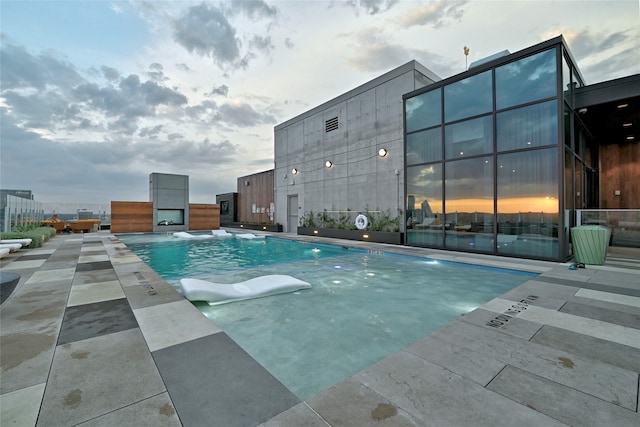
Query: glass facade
[
  {"x": 529, "y": 79},
  {"x": 424, "y": 205},
  {"x": 527, "y": 201},
  {"x": 469, "y": 97},
  {"x": 469, "y": 204},
  {"x": 485, "y": 174}
]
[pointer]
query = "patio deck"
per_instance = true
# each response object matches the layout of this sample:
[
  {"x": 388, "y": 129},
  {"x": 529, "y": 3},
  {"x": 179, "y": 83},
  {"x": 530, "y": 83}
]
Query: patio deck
[{"x": 92, "y": 336}]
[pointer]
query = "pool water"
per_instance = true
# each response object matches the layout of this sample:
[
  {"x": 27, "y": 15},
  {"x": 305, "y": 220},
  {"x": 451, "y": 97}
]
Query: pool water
[{"x": 361, "y": 308}]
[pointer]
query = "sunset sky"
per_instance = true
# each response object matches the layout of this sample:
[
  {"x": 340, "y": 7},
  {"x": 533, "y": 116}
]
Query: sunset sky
[{"x": 96, "y": 95}]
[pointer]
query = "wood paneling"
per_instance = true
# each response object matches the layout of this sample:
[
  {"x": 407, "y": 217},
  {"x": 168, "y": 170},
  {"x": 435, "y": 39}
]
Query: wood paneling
[
  {"x": 620, "y": 171},
  {"x": 204, "y": 216},
  {"x": 255, "y": 191},
  {"x": 131, "y": 217}
]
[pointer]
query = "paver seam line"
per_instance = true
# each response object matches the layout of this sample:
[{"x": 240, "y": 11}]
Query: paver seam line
[
  {"x": 588, "y": 285},
  {"x": 55, "y": 348},
  {"x": 131, "y": 404},
  {"x": 560, "y": 385},
  {"x": 554, "y": 318},
  {"x": 382, "y": 397},
  {"x": 164, "y": 383},
  {"x": 496, "y": 375},
  {"x": 638, "y": 396},
  {"x": 315, "y": 412},
  {"x": 446, "y": 368}
]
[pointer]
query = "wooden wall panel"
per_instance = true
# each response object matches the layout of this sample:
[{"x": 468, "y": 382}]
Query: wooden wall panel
[
  {"x": 131, "y": 217},
  {"x": 204, "y": 216},
  {"x": 620, "y": 171},
  {"x": 256, "y": 189}
]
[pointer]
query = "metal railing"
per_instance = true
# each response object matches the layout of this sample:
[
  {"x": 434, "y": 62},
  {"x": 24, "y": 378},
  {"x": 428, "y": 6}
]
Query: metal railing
[{"x": 21, "y": 212}]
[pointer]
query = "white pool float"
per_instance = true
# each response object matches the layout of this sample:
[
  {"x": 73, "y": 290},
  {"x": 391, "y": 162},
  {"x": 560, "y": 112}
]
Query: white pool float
[
  {"x": 249, "y": 236},
  {"x": 185, "y": 235},
  {"x": 219, "y": 293}
]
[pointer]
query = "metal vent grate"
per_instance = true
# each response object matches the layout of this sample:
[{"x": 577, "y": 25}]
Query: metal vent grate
[{"x": 331, "y": 124}]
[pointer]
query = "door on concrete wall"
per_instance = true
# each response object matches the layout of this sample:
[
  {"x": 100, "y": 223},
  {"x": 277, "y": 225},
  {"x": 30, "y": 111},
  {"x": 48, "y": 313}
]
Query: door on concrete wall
[{"x": 292, "y": 213}]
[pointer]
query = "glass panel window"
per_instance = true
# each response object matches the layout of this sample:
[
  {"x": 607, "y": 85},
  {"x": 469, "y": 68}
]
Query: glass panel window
[
  {"x": 528, "y": 203},
  {"x": 527, "y": 127},
  {"x": 469, "y": 204},
  {"x": 469, "y": 138},
  {"x": 469, "y": 97},
  {"x": 526, "y": 80},
  {"x": 423, "y": 147},
  {"x": 424, "y": 205},
  {"x": 424, "y": 110}
]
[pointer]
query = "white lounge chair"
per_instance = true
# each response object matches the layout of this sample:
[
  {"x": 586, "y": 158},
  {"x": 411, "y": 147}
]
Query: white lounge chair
[
  {"x": 185, "y": 235},
  {"x": 23, "y": 242},
  {"x": 220, "y": 293},
  {"x": 426, "y": 222},
  {"x": 249, "y": 236},
  {"x": 221, "y": 233},
  {"x": 11, "y": 246},
  {"x": 4, "y": 251}
]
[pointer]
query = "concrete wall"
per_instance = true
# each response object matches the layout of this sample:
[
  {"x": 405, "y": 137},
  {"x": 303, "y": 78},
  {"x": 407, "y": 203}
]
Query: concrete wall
[
  {"x": 370, "y": 117},
  {"x": 168, "y": 191}
]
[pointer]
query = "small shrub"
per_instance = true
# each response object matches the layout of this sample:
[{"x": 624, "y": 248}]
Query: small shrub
[{"x": 38, "y": 235}]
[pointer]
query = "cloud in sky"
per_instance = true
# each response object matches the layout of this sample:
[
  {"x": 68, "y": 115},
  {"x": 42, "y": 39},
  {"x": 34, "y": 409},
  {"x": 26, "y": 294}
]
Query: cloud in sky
[{"x": 131, "y": 88}]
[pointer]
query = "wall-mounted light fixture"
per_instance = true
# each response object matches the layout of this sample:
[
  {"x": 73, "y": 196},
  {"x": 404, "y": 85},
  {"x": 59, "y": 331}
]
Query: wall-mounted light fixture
[
  {"x": 328, "y": 164},
  {"x": 382, "y": 152},
  {"x": 246, "y": 183},
  {"x": 294, "y": 171}
]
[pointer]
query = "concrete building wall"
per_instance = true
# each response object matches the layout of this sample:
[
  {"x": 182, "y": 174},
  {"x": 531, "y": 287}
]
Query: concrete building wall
[
  {"x": 369, "y": 118},
  {"x": 169, "y": 192}
]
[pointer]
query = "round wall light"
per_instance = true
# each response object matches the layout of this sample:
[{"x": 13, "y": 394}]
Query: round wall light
[
  {"x": 328, "y": 163},
  {"x": 294, "y": 171},
  {"x": 382, "y": 152}
]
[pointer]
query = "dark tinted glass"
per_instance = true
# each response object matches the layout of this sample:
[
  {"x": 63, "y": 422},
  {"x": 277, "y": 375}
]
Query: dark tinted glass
[
  {"x": 526, "y": 80},
  {"x": 469, "y": 204},
  {"x": 469, "y": 138},
  {"x": 425, "y": 146},
  {"x": 424, "y": 205},
  {"x": 424, "y": 110},
  {"x": 528, "y": 203},
  {"x": 469, "y": 97},
  {"x": 527, "y": 127}
]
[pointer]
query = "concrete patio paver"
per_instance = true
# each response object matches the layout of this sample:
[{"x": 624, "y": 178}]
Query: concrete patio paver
[{"x": 93, "y": 336}]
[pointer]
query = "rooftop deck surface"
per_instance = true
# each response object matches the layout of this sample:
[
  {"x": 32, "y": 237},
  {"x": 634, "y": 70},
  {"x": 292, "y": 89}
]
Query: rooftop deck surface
[{"x": 92, "y": 336}]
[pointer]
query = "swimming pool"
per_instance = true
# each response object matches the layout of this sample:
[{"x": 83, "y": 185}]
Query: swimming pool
[{"x": 361, "y": 308}]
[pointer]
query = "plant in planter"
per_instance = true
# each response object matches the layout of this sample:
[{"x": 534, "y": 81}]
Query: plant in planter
[
  {"x": 307, "y": 220},
  {"x": 382, "y": 227},
  {"x": 383, "y": 221}
]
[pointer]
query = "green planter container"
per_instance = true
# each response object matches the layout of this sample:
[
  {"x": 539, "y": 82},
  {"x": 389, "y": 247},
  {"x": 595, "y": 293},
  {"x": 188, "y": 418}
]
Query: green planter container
[{"x": 590, "y": 243}]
